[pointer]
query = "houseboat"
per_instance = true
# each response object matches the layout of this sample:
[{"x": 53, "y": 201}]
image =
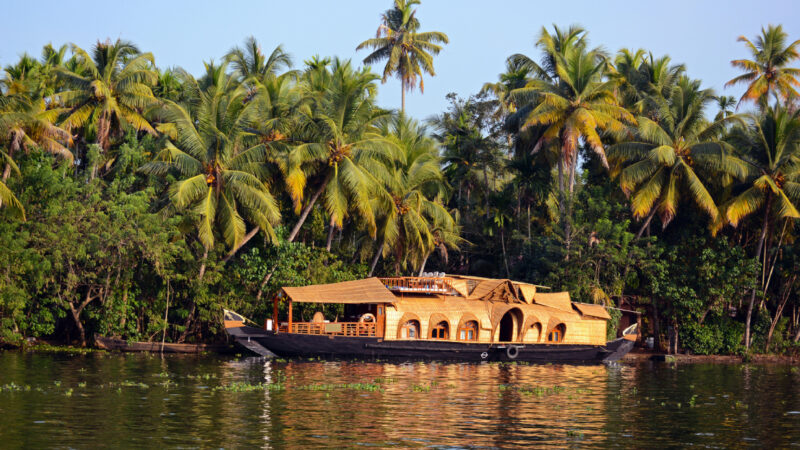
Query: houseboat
[{"x": 443, "y": 317}]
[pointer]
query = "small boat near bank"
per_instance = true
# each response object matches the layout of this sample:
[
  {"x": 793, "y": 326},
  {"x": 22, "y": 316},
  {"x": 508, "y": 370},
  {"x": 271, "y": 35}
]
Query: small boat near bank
[
  {"x": 455, "y": 317},
  {"x": 115, "y": 344}
]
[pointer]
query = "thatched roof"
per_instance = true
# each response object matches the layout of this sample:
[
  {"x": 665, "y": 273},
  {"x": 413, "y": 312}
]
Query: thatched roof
[
  {"x": 369, "y": 290},
  {"x": 494, "y": 290},
  {"x": 598, "y": 311},
  {"x": 557, "y": 300},
  {"x": 527, "y": 291},
  {"x": 461, "y": 286}
]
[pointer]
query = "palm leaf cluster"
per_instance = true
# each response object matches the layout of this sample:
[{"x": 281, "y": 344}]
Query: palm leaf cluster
[{"x": 219, "y": 160}]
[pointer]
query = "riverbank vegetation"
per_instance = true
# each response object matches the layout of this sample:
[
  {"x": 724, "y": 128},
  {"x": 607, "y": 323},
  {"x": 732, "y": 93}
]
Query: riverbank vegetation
[{"x": 137, "y": 197}]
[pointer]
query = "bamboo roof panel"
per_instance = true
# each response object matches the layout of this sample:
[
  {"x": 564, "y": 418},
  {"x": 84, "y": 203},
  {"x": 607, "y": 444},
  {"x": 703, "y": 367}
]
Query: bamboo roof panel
[
  {"x": 527, "y": 291},
  {"x": 484, "y": 287},
  {"x": 369, "y": 290},
  {"x": 461, "y": 286},
  {"x": 557, "y": 300},
  {"x": 598, "y": 311}
]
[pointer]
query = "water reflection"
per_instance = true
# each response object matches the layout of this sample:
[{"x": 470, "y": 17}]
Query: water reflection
[{"x": 143, "y": 400}]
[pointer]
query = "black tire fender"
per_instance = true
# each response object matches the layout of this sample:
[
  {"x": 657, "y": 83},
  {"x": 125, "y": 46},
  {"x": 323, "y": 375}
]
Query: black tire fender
[{"x": 512, "y": 351}]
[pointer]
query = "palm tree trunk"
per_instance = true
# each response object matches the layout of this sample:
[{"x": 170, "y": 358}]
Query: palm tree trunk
[
  {"x": 764, "y": 229},
  {"x": 505, "y": 258},
  {"x": 246, "y": 239},
  {"x": 529, "y": 222},
  {"x": 295, "y": 231},
  {"x": 203, "y": 265},
  {"x": 786, "y": 294},
  {"x": 656, "y": 326},
  {"x": 646, "y": 223},
  {"x": 568, "y": 215},
  {"x": 331, "y": 229},
  {"x": 486, "y": 182},
  {"x": 308, "y": 207},
  {"x": 376, "y": 257},
  {"x": 192, "y": 305},
  {"x": 6, "y": 172},
  {"x": 424, "y": 261},
  {"x": 561, "y": 203},
  {"x": 403, "y": 97}
]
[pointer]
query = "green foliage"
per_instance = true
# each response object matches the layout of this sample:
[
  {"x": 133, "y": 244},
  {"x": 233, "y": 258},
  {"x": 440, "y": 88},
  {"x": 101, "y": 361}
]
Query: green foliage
[
  {"x": 155, "y": 199},
  {"x": 719, "y": 334},
  {"x": 700, "y": 276},
  {"x": 295, "y": 265}
]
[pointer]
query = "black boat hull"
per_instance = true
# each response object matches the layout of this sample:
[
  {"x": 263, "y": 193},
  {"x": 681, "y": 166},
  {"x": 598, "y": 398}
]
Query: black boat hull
[{"x": 326, "y": 346}]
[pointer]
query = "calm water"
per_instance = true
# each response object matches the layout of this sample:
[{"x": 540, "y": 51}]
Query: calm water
[{"x": 113, "y": 400}]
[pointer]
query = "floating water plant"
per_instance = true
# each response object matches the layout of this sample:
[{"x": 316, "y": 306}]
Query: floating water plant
[
  {"x": 575, "y": 434},
  {"x": 247, "y": 387}
]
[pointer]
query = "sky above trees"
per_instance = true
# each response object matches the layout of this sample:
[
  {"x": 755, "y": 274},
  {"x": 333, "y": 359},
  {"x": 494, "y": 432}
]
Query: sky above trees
[{"x": 700, "y": 34}]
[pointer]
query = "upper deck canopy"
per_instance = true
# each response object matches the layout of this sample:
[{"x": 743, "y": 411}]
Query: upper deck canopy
[{"x": 369, "y": 290}]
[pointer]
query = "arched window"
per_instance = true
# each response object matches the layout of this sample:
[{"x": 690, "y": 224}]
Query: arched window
[
  {"x": 409, "y": 330},
  {"x": 534, "y": 332},
  {"x": 468, "y": 331},
  {"x": 440, "y": 331},
  {"x": 556, "y": 334}
]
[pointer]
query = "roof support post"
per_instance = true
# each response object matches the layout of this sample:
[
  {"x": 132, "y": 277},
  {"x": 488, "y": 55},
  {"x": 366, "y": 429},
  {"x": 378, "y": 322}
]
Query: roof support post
[
  {"x": 275, "y": 314},
  {"x": 290, "y": 315}
]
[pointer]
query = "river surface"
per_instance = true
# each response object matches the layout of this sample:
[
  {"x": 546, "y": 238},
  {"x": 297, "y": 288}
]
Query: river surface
[{"x": 140, "y": 400}]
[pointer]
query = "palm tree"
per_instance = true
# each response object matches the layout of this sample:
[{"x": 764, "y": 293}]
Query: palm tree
[
  {"x": 407, "y": 52},
  {"x": 341, "y": 144},
  {"x": 250, "y": 63},
  {"x": 644, "y": 81},
  {"x": 26, "y": 119},
  {"x": 770, "y": 147},
  {"x": 573, "y": 108},
  {"x": 7, "y": 197},
  {"x": 278, "y": 103},
  {"x": 26, "y": 123},
  {"x": 108, "y": 90},
  {"x": 726, "y": 105},
  {"x": 666, "y": 154},
  {"x": 468, "y": 152},
  {"x": 768, "y": 72},
  {"x": 219, "y": 163},
  {"x": 413, "y": 220},
  {"x": 518, "y": 73}
]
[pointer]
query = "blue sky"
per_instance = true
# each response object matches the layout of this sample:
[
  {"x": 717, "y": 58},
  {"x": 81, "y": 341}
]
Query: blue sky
[{"x": 701, "y": 34}]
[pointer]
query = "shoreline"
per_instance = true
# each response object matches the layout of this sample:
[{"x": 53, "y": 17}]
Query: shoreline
[
  {"x": 635, "y": 356},
  {"x": 638, "y": 355}
]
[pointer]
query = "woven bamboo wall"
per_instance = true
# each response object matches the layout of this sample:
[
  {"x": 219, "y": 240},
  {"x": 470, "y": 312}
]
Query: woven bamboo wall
[{"x": 579, "y": 330}]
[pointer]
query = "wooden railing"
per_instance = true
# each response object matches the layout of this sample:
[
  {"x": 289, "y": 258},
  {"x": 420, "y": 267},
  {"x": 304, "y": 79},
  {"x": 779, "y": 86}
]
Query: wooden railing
[
  {"x": 362, "y": 329},
  {"x": 426, "y": 285}
]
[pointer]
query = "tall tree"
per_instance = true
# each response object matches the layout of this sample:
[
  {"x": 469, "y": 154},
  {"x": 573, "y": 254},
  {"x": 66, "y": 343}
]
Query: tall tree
[
  {"x": 408, "y": 52},
  {"x": 7, "y": 198},
  {"x": 768, "y": 72},
  {"x": 27, "y": 120},
  {"x": 251, "y": 63},
  {"x": 644, "y": 81},
  {"x": 665, "y": 154},
  {"x": 413, "y": 221},
  {"x": 770, "y": 147},
  {"x": 341, "y": 144},
  {"x": 574, "y": 106},
  {"x": 108, "y": 90},
  {"x": 726, "y": 105},
  {"x": 219, "y": 162}
]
